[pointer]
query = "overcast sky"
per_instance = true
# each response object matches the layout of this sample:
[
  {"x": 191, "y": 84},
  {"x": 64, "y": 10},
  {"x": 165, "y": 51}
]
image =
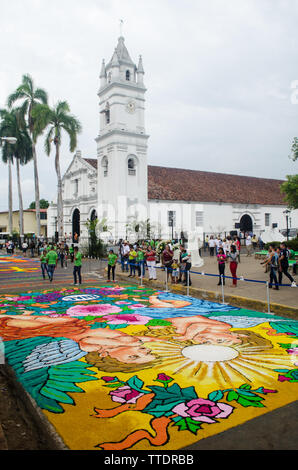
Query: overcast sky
[{"x": 218, "y": 75}]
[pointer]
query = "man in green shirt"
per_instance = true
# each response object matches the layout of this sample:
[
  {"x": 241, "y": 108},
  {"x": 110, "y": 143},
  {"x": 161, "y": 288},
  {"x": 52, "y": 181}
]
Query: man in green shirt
[
  {"x": 43, "y": 264},
  {"x": 112, "y": 260},
  {"x": 77, "y": 266},
  {"x": 52, "y": 260}
]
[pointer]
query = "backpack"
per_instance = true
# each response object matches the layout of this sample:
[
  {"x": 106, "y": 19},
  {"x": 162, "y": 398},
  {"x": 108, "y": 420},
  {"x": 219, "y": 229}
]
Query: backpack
[{"x": 274, "y": 261}]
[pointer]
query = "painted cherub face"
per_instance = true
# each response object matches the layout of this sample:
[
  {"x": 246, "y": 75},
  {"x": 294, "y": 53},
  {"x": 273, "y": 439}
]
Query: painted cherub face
[{"x": 132, "y": 354}]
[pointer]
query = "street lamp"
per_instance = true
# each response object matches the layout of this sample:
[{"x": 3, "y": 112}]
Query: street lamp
[
  {"x": 9, "y": 140},
  {"x": 287, "y": 212}
]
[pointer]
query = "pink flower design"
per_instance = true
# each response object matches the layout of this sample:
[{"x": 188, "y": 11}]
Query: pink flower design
[
  {"x": 125, "y": 395},
  {"x": 95, "y": 310},
  {"x": 128, "y": 318},
  {"x": 203, "y": 410},
  {"x": 137, "y": 306},
  {"x": 282, "y": 378}
]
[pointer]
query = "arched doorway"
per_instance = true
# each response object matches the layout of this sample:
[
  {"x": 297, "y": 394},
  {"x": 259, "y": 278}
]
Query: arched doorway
[
  {"x": 75, "y": 224},
  {"x": 246, "y": 223},
  {"x": 93, "y": 215}
]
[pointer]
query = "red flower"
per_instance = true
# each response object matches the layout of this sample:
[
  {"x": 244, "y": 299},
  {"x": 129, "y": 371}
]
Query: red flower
[
  {"x": 164, "y": 378},
  {"x": 282, "y": 378},
  {"x": 110, "y": 379}
]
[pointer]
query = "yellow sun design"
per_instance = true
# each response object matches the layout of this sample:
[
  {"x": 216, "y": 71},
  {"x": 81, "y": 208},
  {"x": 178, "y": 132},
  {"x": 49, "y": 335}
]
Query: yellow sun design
[{"x": 225, "y": 365}]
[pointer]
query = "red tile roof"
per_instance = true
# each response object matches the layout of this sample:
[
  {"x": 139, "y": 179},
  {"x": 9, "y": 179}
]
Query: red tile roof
[
  {"x": 92, "y": 162},
  {"x": 176, "y": 184}
]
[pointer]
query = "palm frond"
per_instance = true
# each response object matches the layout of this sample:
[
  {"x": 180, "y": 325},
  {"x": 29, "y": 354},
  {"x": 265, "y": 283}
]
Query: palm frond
[{"x": 41, "y": 95}]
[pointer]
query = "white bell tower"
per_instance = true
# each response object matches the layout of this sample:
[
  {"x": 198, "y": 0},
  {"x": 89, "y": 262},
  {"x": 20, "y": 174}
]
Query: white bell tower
[{"x": 122, "y": 141}]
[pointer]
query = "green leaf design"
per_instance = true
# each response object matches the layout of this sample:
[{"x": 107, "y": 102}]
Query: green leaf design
[
  {"x": 56, "y": 395},
  {"x": 245, "y": 386},
  {"x": 188, "y": 424},
  {"x": 244, "y": 402},
  {"x": 216, "y": 395},
  {"x": 232, "y": 395},
  {"x": 137, "y": 384}
]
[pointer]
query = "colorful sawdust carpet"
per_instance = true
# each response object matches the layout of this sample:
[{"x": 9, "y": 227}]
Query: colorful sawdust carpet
[
  {"x": 18, "y": 264},
  {"x": 146, "y": 369}
]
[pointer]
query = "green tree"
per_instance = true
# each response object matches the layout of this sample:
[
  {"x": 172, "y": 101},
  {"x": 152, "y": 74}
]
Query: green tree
[
  {"x": 290, "y": 189},
  {"x": 43, "y": 203},
  {"x": 56, "y": 120},
  {"x": 31, "y": 97},
  {"x": 13, "y": 125}
]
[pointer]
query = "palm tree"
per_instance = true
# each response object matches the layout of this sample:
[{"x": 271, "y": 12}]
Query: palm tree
[
  {"x": 31, "y": 97},
  {"x": 13, "y": 125},
  {"x": 56, "y": 120}
]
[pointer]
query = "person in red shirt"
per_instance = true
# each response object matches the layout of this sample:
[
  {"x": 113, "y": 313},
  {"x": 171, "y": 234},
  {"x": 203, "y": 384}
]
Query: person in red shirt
[
  {"x": 151, "y": 263},
  {"x": 167, "y": 255}
]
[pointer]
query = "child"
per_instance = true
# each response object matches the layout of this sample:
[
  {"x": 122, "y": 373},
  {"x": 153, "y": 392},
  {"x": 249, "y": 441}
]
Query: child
[
  {"x": 77, "y": 266},
  {"x": 112, "y": 260},
  {"x": 175, "y": 271},
  {"x": 221, "y": 259}
]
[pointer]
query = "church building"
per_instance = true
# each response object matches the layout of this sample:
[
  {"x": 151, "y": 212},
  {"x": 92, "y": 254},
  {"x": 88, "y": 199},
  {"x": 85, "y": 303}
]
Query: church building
[{"x": 120, "y": 187}]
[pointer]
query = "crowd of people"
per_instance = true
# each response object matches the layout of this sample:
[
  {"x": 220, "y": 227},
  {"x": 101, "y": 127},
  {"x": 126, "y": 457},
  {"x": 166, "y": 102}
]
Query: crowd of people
[
  {"x": 172, "y": 256},
  {"x": 277, "y": 261}
]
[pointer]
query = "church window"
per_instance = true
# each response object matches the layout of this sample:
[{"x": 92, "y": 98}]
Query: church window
[
  {"x": 109, "y": 77},
  {"x": 105, "y": 166},
  {"x": 131, "y": 166},
  {"x": 107, "y": 113},
  {"x": 127, "y": 75},
  {"x": 199, "y": 219},
  {"x": 76, "y": 186}
]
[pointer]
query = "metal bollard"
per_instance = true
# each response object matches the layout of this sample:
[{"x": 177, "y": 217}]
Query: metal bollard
[
  {"x": 222, "y": 290},
  {"x": 187, "y": 283},
  {"x": 268, "y": 297},
  {"x": 141, "y": 278},
  {"x": 166, "y": 271}
]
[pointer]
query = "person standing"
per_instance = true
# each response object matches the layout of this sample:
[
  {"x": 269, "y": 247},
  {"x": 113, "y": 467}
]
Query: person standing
[
  {"x": 112, "y": 260},
  {"x": 186, "y": 261},
  {"x": 273, "y": 262},
  {"x": 284, "y": 265},
  {"x": 211, "y": 245},
  {"x": 71, "y": 252},
  {"x": 151, "y": 263},
  {"x": 233, "y": 258},
  {"x": 140, "y": 261},
  {"x": 43, "y": 264},
  {"x": 221, "y": 259},
  {"x": 248, "y": 243},
  {"x": 124, "y": 252},
  {"x": 52, "y": 260},
  {"x": 24, "y": 248},
  {"x": 77, "y": 266},
  {"x": 167, "y": 256},
  {"x": 132, "y": 256}
]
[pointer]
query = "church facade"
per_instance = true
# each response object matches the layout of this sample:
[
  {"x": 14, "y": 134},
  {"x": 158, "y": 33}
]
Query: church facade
[{"x": 120, "y": 187}]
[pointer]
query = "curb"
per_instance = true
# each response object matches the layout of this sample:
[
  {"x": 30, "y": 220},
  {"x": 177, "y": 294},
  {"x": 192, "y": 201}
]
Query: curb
[
  {"x": 3, "y": 442},
  {"x": 47, "y": 433},
  {"x": 234, "y": 300}
]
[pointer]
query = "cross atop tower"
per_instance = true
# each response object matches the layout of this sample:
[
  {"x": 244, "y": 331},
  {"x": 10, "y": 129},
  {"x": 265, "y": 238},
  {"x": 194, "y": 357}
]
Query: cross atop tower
[{"x": 121, "y": 27}]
